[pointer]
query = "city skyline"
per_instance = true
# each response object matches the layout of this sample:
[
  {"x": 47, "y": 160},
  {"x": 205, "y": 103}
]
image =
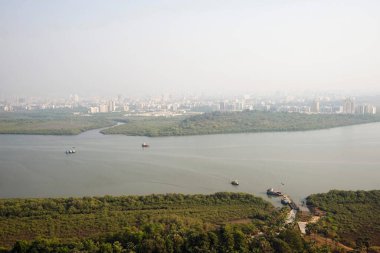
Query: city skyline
[{"x": 168, "y": 105}]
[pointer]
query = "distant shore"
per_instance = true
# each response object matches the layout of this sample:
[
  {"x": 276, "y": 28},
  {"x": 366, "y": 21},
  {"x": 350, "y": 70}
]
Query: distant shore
[
  {"x": 236, "y": 122},
  {"x": 51, "y": 123},
  {"x": 204, "y": 124}
]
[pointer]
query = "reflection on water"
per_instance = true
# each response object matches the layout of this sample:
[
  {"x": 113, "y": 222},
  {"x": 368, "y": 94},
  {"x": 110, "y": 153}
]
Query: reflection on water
[{"x": 306, "y": 162}]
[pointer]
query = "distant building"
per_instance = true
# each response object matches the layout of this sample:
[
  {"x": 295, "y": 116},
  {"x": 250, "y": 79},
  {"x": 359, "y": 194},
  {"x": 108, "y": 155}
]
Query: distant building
[
  {"x": 327, "y": 109},
  {"x": 8, "y": 108},
  {"x": 361, "y": 109},
  {"x": 103, "y": 108},
  {"x": 223, "y": 106},
  {"x": 238, "y": 106},
  {"x": 93, "y": 109},
  {"x": 111, "y": 106},
  {"x": 366, "y": 109},
  {"x": 175, "y": 107},
  {"x": 305, "y": 109},
  {"x": 349, "y": 106},
  {"x": 315, "y": 108},
  {"x": 373, "y": 110}
]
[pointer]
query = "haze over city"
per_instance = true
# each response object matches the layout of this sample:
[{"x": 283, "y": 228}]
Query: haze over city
[{"x": 146, "y": 47}]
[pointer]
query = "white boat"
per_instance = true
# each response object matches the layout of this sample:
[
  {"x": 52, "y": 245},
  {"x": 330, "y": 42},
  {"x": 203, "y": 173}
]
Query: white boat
[{"x": 71, "y": 151}]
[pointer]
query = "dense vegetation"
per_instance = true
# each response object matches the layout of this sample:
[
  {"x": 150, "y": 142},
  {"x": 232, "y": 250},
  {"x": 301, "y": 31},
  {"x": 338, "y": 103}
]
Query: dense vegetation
[
  {"x": 93, "y": 216},
  {"x": 221, "y": 222},
  {"x": 172, "y": 235},
  {"x": 53, "y": 122},
  {"x": 64, "y": 122},
  {"x": 352, "y": 217},
  {"x": 235, "y": 122}
]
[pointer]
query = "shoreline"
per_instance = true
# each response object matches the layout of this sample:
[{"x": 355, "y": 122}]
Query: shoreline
[
  {"x": 184, "y": 135},
  {"x": 253, "y": 132}
]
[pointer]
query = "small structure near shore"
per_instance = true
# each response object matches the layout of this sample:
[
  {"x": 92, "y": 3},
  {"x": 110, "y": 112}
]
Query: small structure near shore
[
  {"x": 272, "y": 192},
  {"x": 285, "y": 199}
]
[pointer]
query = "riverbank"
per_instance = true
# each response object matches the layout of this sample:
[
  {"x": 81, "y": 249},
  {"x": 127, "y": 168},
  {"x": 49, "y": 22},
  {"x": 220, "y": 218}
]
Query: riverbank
[
  {"x": 236, "y": 122},
  {"x": 67, "y": 123},
  {"x": 55, "y": 123}
]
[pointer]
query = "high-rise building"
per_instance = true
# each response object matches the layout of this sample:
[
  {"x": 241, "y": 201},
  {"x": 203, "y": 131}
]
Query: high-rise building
[
  {"x": 111, "y": 106},
  {"x": 93, "y": 110},
  {"x": 315, "y": 108},
  {"x": 238, "y": 106},
  {"x": 349, "y": 106},
  {"x": 374, "y": 110},
  {"x": 103, "y": 108},
  {"x": 366, "y": 109},
  {"x": 223, "y": 106}
]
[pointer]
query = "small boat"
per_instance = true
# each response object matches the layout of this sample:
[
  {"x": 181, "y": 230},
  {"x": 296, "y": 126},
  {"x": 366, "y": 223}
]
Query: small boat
[
  {"x": 71, "y": 151},
  {"x": 145, "y": 145},
  {"x": 273, "y": 192},
  {"x": 235, "y": 182}
]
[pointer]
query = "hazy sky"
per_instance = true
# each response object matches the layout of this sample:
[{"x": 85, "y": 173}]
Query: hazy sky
[{"x": 50, "y": 47}]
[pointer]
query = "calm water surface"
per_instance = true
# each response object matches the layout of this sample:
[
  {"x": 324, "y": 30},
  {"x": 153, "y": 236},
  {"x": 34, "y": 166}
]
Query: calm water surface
[{"x": 305, "y": 162}]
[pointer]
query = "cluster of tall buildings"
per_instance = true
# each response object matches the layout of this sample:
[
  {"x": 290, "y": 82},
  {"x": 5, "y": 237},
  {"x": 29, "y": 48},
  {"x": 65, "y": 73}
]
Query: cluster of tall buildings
[
  {"x": 349, "y": 107},
  {"x": 366, "y": 109},
  {"x": 232, "y": 106},
  {"x": 110, "y": 106},
  {"x": 316, "y": 107}
]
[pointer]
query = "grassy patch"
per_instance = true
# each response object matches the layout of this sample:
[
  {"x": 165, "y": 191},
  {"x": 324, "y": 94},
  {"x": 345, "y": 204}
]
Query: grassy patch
[{"x": 52, "y": 122}]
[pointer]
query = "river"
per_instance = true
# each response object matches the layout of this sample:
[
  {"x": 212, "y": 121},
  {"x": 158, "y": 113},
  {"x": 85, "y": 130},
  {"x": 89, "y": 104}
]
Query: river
[{"x": 298, "y": 163}]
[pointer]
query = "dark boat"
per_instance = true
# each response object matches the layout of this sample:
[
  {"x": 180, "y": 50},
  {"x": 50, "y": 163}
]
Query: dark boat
[
  {"x": 234, "y": 182},
  {"x": 272, "y": 192},
  {"x": 145, "y": 145}
]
